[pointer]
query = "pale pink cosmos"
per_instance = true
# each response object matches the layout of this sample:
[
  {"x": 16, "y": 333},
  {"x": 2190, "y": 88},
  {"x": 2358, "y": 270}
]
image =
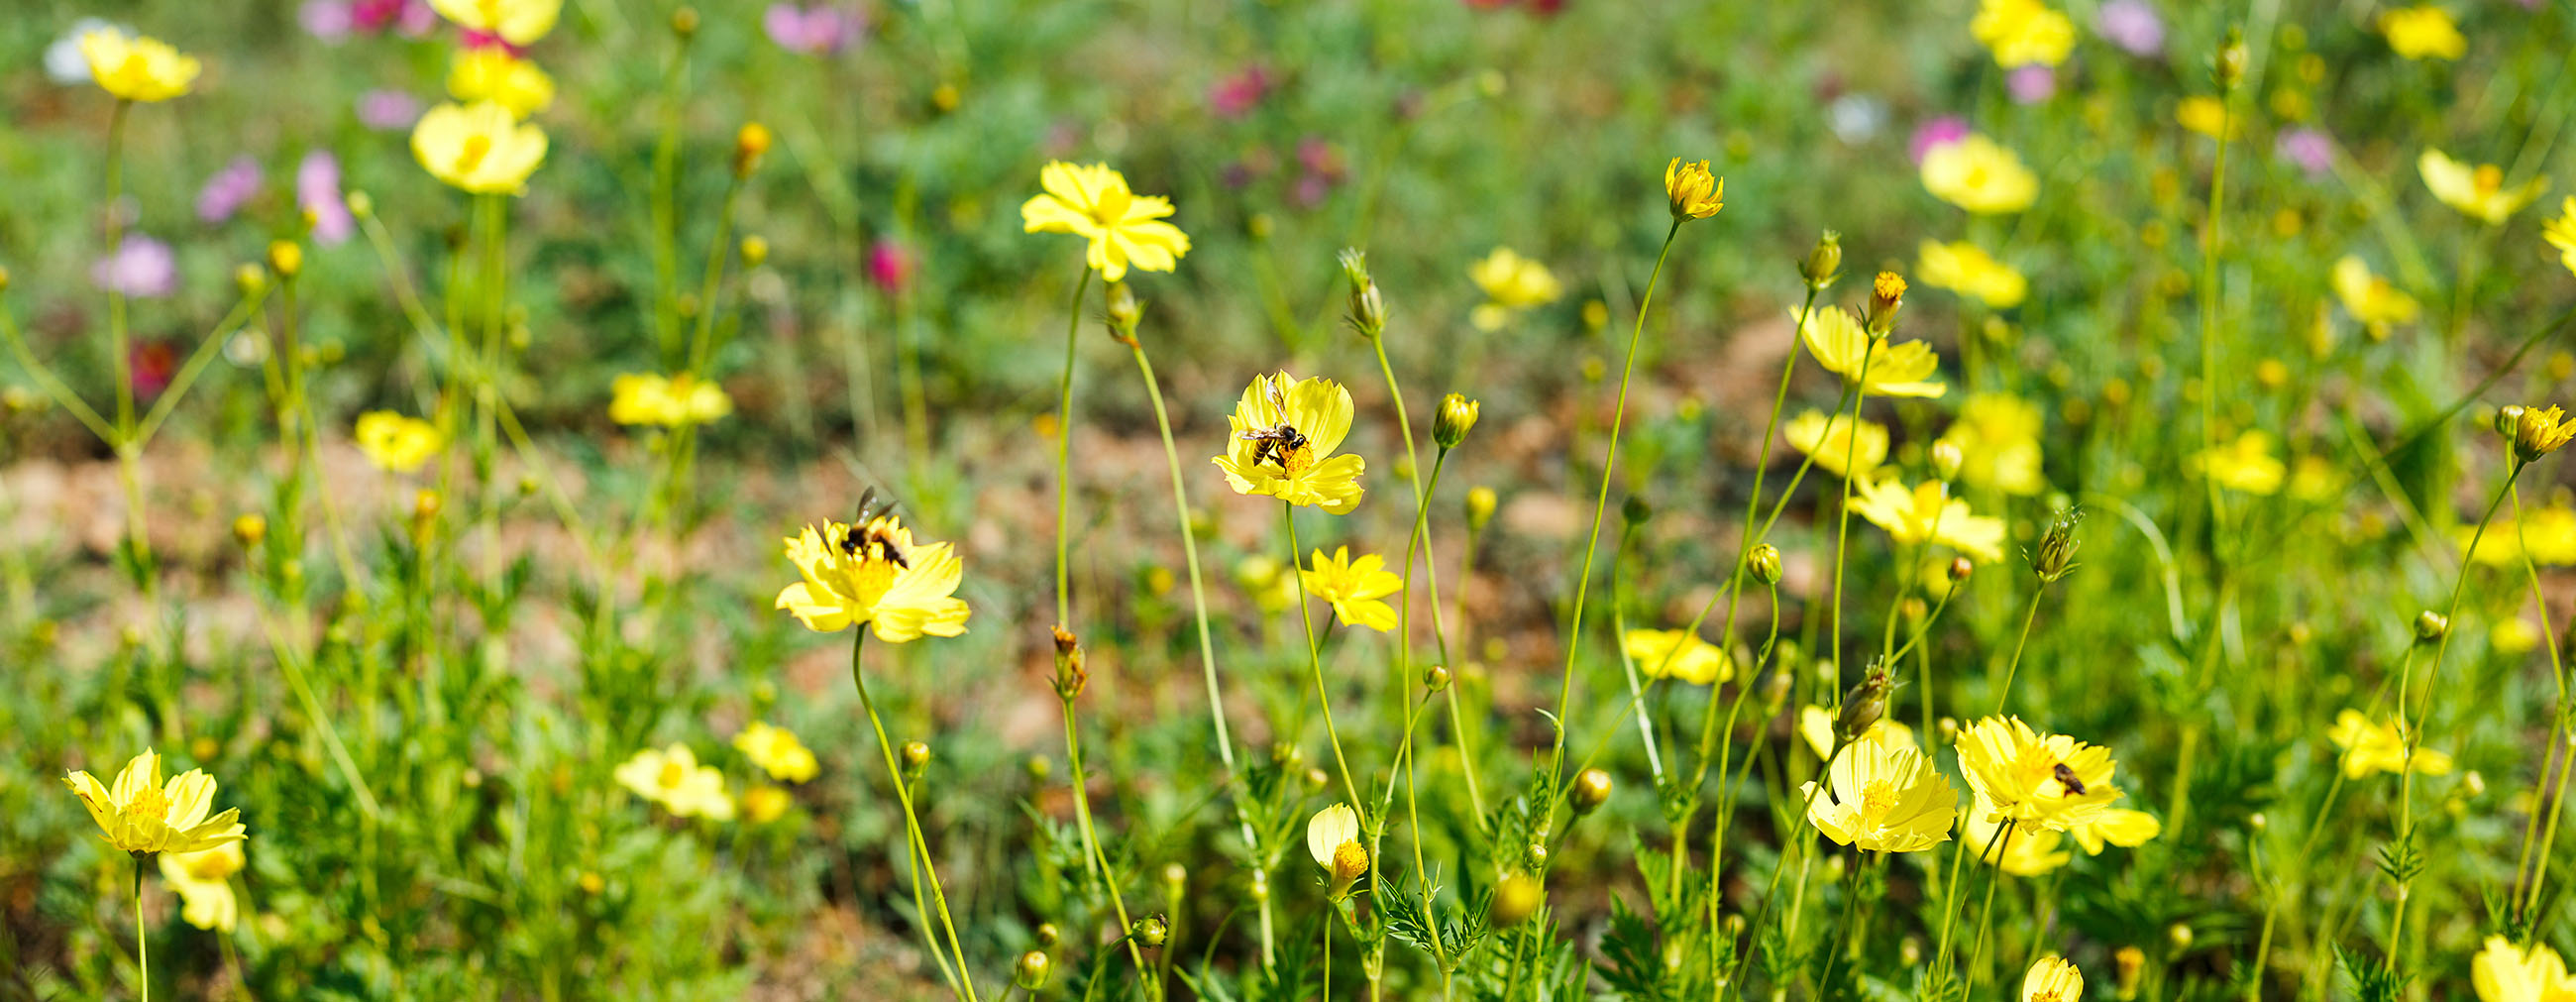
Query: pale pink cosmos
[{"x": 226, "y": 192}]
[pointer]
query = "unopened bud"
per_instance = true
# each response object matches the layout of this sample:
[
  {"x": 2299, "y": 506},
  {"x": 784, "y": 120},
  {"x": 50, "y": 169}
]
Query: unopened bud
[
  {"x": 1480, "y": 507},
  {"x": 1048, "y": 934},
  {"x": 1960, "y": 568},
  {"x": 2055, "y": 555},
  {"x": 2508, "y": 418},
  {"x": 2180, "y": 935},
  {"x": 1764, "y": 562},
  {"x": 1031, "y": 972},
  {"x": 250, "y": 529},
  {"x": 750, "y": 143},
  {"x": 1175, "y": 877},
  {"x": 4, "y": 279},
  {"x": 361, "y": 204},
  {"x": 1316, "y": 779},
  {"x": 1886, "y": 296},
  {"x": 2431, "y": 626},
  {"x": 1435, "y": 678},
  {"x": 1635, "y": 510},
  {"x": 1151, "y": 931},
  {"x": 1824, "y": 263},
  {"x": 1517, "y": 898},
  {"x": 2128, "y": 964},
  {"x": 1457, "y": 416},
  {"x": 2229, "y": 66},
  {"x": 1775, "y": 692},
  {"x": 916, "y": 759},
  {"x": 1367, "y": 306},
  {"x": 250, "y": 278},
  {"x": 1946, "y": 458},
  {"x": 1123, "y": 310},
  {"x": 755, "y": 251},
  {"x": 1070, "y": 675},
  {"x": 684, "y": 23},
  {"x": 1591, "y": 790}
]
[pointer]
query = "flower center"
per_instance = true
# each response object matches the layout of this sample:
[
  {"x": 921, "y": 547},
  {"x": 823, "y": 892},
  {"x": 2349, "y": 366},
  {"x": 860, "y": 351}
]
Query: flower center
[
  {"x": 1876, "y": 800},
  {"x": 671, "y": 775},
  {"x": 149, "y": 805},
  {"x": 2490, "y": 179},
  {"x": 476, "y": 148}
]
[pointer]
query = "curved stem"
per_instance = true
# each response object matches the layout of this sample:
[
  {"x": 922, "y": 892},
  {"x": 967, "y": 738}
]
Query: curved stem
[
  {"x": 911, "y": 820},
  {"x": 1063, "y": 452}
]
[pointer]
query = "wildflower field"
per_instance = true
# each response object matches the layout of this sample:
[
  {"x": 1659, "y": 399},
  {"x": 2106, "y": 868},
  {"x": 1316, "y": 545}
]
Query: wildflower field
[{"x": 1263, "y": 501}]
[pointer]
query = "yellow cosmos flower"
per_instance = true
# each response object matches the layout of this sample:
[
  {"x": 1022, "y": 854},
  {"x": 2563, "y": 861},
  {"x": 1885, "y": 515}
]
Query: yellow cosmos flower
[
  {"x": 136, "y": 68},
  {"x": 1512, "y": 283},
  {"x": 395, "y": 443},
  {"x": 2023, "y": 32},
  {"x": 2375, "y": 302},
  {"x": 873, "y": 574},
  {"x": 2424, "y": 32},
  {"x": 669, "y": 401},
  {"x": 2207, "y": 115},
  {"x": 1353, "y": 587},
  {"x": 1829, "y": 440},
  {"x": 518, "y": 22},
  {"x": 1123, "y": 227},
  {"x": 1928, "y": 514},
  {"x": 2246, "y": 464},
  {"x": 492, "y": 74},
  {"x": 1333, "y": 838},
  {"x": 141, "y": 814},
  {"x": 2478, "y": 192},
  {"x": 2026, "y": 854},
  {"x": 2561, "y": 233},
  {"x": 776, "y": 751},
  {"x": 1896, "y": 369},
  {"x": 480, "y": 148},
  {"x": 2541, "y": 431},
  {"x": 1816, "y": 724},
  {"x": 2118, "y": 826},
  {"x": 1695, "y": 193},
  {"x": 2504, "y": 972},
  {"x": 1883, "y": 798},
  {"x": 2052, "y": 979},
  {"x": 2037, "y": 780},
  {"x": 1284, "y": 433},
  {"x": 2377, "y": 746},
  {"x": 2548, "y": 533},
  {"x": 1979, "y": 175},
  {"x": 1677, "y": 654},
  {"x": 203, "y": 880},
  {"x": 1968, "y": 270},
  {"x": 764, "y": 804},
  {"x": 1997, "y": 435},
  {"x": 2513, "y": 635},
  {"x": 1266, "y": 580},
  {"x": 673, "y": 778}
]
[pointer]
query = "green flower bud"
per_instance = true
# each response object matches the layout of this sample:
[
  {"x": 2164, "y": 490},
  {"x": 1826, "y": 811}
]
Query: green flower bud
[
  {"x": 1457, "y": 415},
  {"x": 1764, "y": 562},
  {"x": 1825, "y": 262}
]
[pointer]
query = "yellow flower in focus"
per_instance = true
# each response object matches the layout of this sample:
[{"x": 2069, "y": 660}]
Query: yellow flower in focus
[
  {"x": 2207, "y": 115},
  {"x": 518, "y": 22},
  {"x": 1896, "y": 369},
  {"x": 2541, "y": 431},
  {"x": 1677, "y": 654},
  {"x": 2376, "y": 746},
  {"x": 141, "y": 814},
  {"x": 2118, "y": 826},
  {"x": 1333, "y": 838},
  {"x": 1884, "y": 798},
  {"x": 1512, "y": 283},
  {"x": 673, "y": 778},
  {"x": 492, "y": 74},
  {"x": 1997, "y": 435},
  {"x": 1830, "y": 441},
  {"x": 2504, "y": 972},
  {"x": 776, "y": 751},
  {"x": 1928, "y": 514},
  {"x": 395, "y": 443},
  {"x": 2052, "y": 979},
  {"x": 648, "y": 398},
  {"x": 2246, "y": 464},
  {"x": 2373, "y": 301},
  {"x": 2036, "y": 780},
  {"x": 479, "y": 148},
  {"x": 1816, "y": 724},
  {"x": 1094, "y": 203},
  {"x": 2478, "y": 192},
  {"x": 873, "y": 574},
  {"x": 1695, "y": 193},
  {"x": 1979, "y": 175},
  {"x": 2561, "y": 233},
  {"x": 2023, "y": 32},
  {"x": 1967, "y": 269},
  {"x": 764, "y": 804},
  {"x": 1284, "y": 433},
  {"x": 2423, "y": 32},
  {"x": 203, "y": 880},
  {"x": 1354, "y": 587},
  {"x": 135, "y": 68}
]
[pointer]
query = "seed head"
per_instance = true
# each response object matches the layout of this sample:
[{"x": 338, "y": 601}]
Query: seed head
[
  {"x": 1070, "y": 675},
  {"x": 1367, "y": 307},
  {"x": 1865, "y": 703}
]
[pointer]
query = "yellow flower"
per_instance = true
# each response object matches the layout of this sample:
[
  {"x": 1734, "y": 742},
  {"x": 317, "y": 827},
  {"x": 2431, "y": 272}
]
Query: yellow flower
[
  {"x": 873, "y": 574},
  {"x": 2207, "y": 115},
  {"x": 2025, "y": 854},
  {"x": 479, "y": 148},
  {"x": 1928, "y": 514},
  {"x": 1263, "y": 580},
  {"x": 1677, "y": 654},
  {"x": 202, "y": 879},
  {"x": 2246, "y": 464},
  {"x": 491, "y": 73},
  {"x": 2541, "y": 431},
  {"x": 2513, "y": 635},
  {"x": 140, "y": 814},
  {"x": 1979, "y": 175},
  {"x": 1354, "y": 587},
  {"x": 2118, "y": 826},
  {"x": 1968, "y": 270},
  {"x": 1093, "y": 203},
  {"x": 649, "y": 398},
  {"x": 1333, "y": 838},
  {"x": 2023, "y": 32},
  {"x": 776, "y": 751},
  {"x": 1512, "y": 283},
  {"x": 1998, "y": 439},
  {"x": 2038, "y": 780},
  {"x": 1284, "y": 433},
  {"x": 1829, "y": 440},
  {"x": 1695, "y": 193},
  {"x": 518, "y": 22},
  {"x": 136, "y": 68},
  {"x": 2052, "y": 979},
  {"x": 2478, "y": 192},
  {"x": 764, "y": 804},
  {"x": 2504, "y": 972},
  {"x": 397, "y": 444},
  {"x": 1816, "y": 724},
  {"x": 2376, "y": 746},
  {"x": 2373, "y": 301},
  {"x": 673, "y": 778},
  {"x": 1885, "y": 798},
  {"x": 1895, "y": 369},
  {"x": 2424, "y": 32},
  {"x": 2548, "y": 533},
  {"x": 2316, "y": 478},
  {"x": 2561, "y": 233}
]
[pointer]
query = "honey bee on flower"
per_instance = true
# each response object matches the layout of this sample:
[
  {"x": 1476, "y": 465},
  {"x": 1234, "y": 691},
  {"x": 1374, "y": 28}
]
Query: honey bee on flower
[
  {"x": 1284, "y": 432},
  {"x": 874, "y": 574}
]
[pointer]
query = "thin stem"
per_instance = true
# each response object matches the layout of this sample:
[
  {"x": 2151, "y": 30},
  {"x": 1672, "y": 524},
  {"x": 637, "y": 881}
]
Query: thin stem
[
  {"x": 1842, "y": 517},
  {"x": 911, "y": 820},
  {"x": 142, "y": 958},
  {"x": 1093, "y": 858},
  {"x": 1064, "y": 454},
  {"x": 2211, "y": 244},
  {"x": 1314, "y": 660},
  {"x": 2004, "y": 695}
]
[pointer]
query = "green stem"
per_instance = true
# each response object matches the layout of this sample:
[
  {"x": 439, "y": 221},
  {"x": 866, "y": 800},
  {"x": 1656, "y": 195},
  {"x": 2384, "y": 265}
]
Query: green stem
[
  {"x": 1842, "y": 518},
  {"x": 1064, "y": 454},
  {"x": 142, "y": 959},
  {"x": 2209, "y": 305},
  {"x": 2004, "y": 695},
  {"x": 1314, "y": 659},
  {"x": 911, "y": 820},
  {"x": 1093, "y": 858}
]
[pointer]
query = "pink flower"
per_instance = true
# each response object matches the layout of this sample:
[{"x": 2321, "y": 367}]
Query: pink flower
[
  {"x": 486, "y": 40},
  {"x": 317, "y": 191},
  {"x": 388, "y": 110},
  {"x": 2133, "y": 26},
  {"x": 1236, "y": 95},
  {"x": 1941, "y": 131},
  {"x": 412, "y": 17},
  {"x": 151, "y": 364},
  {"x": 889, "y": 265},
  {"x": 2312, "y": 150},
  {"x": 140, "y": 267},
  {"x": 328, "y": 20},
  {"x": 225, "y": 192},
  {"x": 2031, "y": 83},
  {"x": 809, "y": 30}
]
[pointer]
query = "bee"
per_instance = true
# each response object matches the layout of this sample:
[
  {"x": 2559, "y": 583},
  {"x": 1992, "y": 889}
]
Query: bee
[
  {"x": 2066, "y": 778},
  {"x": 867, "y": 535},
  {"x": 1278, "y": 442}
]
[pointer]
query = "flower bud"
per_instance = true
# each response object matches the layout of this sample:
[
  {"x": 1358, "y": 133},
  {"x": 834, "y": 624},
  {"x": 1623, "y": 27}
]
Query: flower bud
[
  {"x": 1259, "y": 889},
  {"x": 1886, "y": 296},
  {"x": 1960, "y": 568},
  {"x": 916, "y": 759},
  {"x": 1367, "y": 306},
  {"x": 1123, "y": 310},
  {"x": 1151, "y": 931},
  {"x": 1824, "y": 263},
  {"x": 750, "y": 143},
  {"x": 361, "y": 204},
  {"x": 1864, "y": 703},
  {"x": 1764, "y": 562},
  {"x": 2229, "y": 66},
  {"x": 1634, "y": 510},
  {"x": 2129, "y": 962},
  {"x": 285, "y": 258},
  {"x": 250, "y": 279},
  {"x": 1775, "y": 692},
  {"x": 1316, "y": 779},
  {"x": 2431, "y": 626},
  {"x": 1480, "y": 507},
  {"x": 1591, "y": 790},
  {"x": 2180, "y": 935},
  {"x": 2507, "y": 418},
  {"x": 1694, "y": 192},
  {"x": 4, "y": 279},
  {"x": 1436, "y": 678},
  {"x": 684, "y": 23},
  {"x": 1946, "y": 458},
  {"x": 1948, "y": 730},
  {"x": 1031, "y": 972},
  {"x": 1175, "y": 877},
  {"x": 1070, "y": 675},
  {"x": 1047, "y": 935},
  {"x": 1517, "y": 898},
  {"x": 1457, "y": 416},
  {"x": 250, "y": 529},
  {"x": 2055, "y": 555},
  {"x": 755, "y": 251}
]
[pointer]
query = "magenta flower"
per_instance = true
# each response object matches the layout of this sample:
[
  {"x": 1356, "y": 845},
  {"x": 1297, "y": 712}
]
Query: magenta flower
[
  {"x": 2312, "y": 150},
  {"x": 1236, "y": 95},
  {"x": 225, "y": 192},
  {"x": 1941, "y": 131},
  {"x": 820, "y": 29},
  {"x": 889, "y": 265},
  {"x": 140, "y": 267},
  {"x": 2133, "y": 26},
  {"x": 388, "y": 110},
  {"x": 317, "y": 191},
  {"x": 151, "y": 363},
  {"x": 328, "y": 20},
  {"x": 2031, "y": 83}
]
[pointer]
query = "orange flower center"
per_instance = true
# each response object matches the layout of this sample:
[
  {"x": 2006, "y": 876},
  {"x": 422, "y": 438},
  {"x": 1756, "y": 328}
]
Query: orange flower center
[{"x": 2490, "y": 179}]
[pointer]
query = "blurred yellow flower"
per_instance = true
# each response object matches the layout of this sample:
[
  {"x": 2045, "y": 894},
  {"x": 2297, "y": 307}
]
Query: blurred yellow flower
[
  {"x": 1896, "y": 369},
  {"x": 2246, "y": 464},
  {"x": 1354, "y": 587},
  {"x": 2036, "y": 780},
  {"x": 2504, "y": 972},
  {"x": 395, "y": 443},
  {"x": 136, "y": 68},
  {"x": 2025, "y": 854},
  {"x": 649, "y": 398},
  {"x": 1968, "y": 270},
  {"x": 2023, "y": 32},
  {"x": 673, "y": 778},
  {"x": 1511, "y": 283},
  {"x": 2423, "y": 32},
  {"x": 1997, "y": 435},
  {"x": 2376, "y": 746},
  {"x": 1829, "y": 440},
  {"x": 1884, "y": 797},
  {"x": 2547, "y": 533},
  {"x": 776, "y": 751},
  {"x": 1695, "y": 193},
  {"x": 1816, "y": 725},
  {"x": 1284, "y": 433},
  {"x": 1262, "y": 579},
  {"x": 203, "y": 880},
  {"x": 2478, "y": 192},
  {"x": 2118, "y": 826},
  {"x": 1677, "y": 654},
  {"x": 141, "y": 814},
  {"x": 1928, "y": 514},
  {"x": 518, "y": 22},
  {"x": 2316, "y": 478},
  {"x": 1094, "y": 203},
  {"x": 764, "y": 804},
  {"x": 2513, "y": 635},
  {"x": 2561, "y": 233},
  {"x": 2207, "y": 115},
  {"x": 492, "y": 74},
  {"x": 1977, "y": 174},
  {"x": 479, "y": 148},
  {"x": 1333, "y": 838},
  {"x": 873, "y": 574},
  {"x": 2374, "y": 302},
  {"x": 2052, "y": 979}
]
